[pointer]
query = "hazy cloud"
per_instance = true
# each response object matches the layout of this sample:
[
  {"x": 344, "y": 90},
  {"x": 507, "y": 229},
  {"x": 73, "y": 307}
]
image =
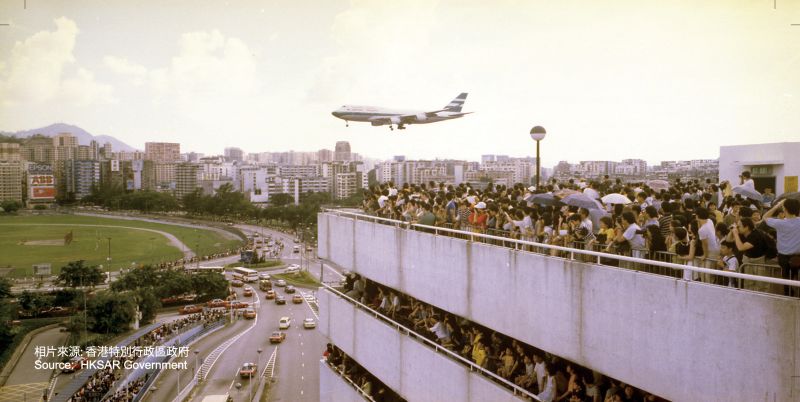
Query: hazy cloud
[{"x": 38, "y": 70}]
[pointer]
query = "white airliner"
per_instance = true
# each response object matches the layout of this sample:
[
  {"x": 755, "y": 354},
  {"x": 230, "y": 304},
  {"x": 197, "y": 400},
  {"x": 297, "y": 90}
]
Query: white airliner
[{"x": 381, "y": 117}]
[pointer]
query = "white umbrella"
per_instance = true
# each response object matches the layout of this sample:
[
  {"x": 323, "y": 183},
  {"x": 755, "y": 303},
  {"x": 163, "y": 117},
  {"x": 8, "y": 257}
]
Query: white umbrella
[
  {"x": 615, "y": 198},
  {"x": 748, "y": 192}
]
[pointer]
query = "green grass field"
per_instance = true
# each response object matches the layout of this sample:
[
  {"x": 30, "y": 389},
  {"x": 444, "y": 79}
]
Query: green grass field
[{"x": 28, "y": 240}]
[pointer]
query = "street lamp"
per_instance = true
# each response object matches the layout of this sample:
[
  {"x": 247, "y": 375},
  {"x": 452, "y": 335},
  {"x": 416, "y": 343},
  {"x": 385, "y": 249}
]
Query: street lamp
[
  {"x": 258, "y": 366},
  {"x": 537, "y": 134}
]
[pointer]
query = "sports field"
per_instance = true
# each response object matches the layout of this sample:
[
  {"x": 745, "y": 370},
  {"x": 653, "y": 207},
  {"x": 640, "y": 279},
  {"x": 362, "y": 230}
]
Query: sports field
[{"x": 28, "y": 240}]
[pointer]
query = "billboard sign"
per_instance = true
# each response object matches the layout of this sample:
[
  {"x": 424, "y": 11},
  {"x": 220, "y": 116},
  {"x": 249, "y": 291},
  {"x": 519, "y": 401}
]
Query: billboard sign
[
  {"x": 41, "y": 269},
  {"x": 41, "y": 182}
]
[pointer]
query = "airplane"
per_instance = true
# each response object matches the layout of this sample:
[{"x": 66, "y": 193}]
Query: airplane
[{"x": 381, "y": 117}]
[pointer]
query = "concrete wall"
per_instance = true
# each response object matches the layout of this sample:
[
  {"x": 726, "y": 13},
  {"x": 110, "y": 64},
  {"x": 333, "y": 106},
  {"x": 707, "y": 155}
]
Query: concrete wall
[
  {"x": 410, "y": 368},
  {"x": 334, "y": 388},
  {"x": 781, "y": 156},
  {"x": 680, "y": 340}
]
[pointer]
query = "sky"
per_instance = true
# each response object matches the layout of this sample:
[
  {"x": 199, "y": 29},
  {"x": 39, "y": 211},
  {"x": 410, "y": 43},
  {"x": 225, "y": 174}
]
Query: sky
[{"x": 608, "y": 80}]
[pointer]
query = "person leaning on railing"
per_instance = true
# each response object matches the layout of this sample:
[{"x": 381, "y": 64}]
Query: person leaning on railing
[{"x": 788, "y": 239}]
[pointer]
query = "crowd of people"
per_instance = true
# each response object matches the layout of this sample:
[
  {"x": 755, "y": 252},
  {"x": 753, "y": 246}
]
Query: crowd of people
[
  {"x": 547, "y": 376},
  {"x": 129, "y": 391},
  {"x": 706, "y": 225},
  {"x": 103, "y": 381},
  {"x": 367, "y": 383},
  {"x": 96, "y": 387}
]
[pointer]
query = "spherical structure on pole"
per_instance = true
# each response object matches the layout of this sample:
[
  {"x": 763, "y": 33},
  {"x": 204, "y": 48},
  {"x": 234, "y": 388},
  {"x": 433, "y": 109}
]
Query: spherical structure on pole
[{"x": 537, "y": 134}]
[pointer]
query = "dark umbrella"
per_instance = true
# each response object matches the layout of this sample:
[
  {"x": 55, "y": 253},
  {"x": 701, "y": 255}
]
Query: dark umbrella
[
  {"x": 580, "y": 201},
  {"x": 795, "y": 195},
  {"x": 748, "y": 192},
  {"x": 543, "y": 199}
]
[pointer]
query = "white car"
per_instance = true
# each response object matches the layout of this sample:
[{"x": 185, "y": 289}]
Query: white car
[
  {"x": 291, "y": 269},
  {"x": 284, "y": 323},
  {"x": 296, "y": 249},
  {"x": 263, "y": 275},
  {"x": 309, "y": 323},
  {"x": 280, "y": 283}
]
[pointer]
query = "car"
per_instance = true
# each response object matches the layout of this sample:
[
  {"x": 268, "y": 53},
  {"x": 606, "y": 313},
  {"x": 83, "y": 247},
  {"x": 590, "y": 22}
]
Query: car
[
  {"x": 249, "y": 313},
  {"x": 256, "y": 235},
  {"x": 265, "y": 284},
  {"x": 309, "y": 323},
  {"x": 248, "y": 291},
  {"x": 284, "y": 323},
  {"x": 296, "y": 240},
  {"x": 56, "y": 311},
  {"x": 237, "y": 304},
  {"x": 280, "y": 283},
  {"x": 190, "y": 309},
  {"x": 74, "y": 364},
  {"x": 248, "y": 370},
  {"x": 280, "y": 299},
  {"x": 291, "y": 269},
  {"x": 277, "y": 337},
  {"x": 263, "y": 275},
  {"x": 297, "y": 299},
  {"x": 270, "y": 294},
  {"x": 237, "y": 283},
  {"x": 290, "y": 289},
  {"x": 296, "y": 249},
  {"x": 216, "y": 303},
  {"x": 309, "y": 248}
]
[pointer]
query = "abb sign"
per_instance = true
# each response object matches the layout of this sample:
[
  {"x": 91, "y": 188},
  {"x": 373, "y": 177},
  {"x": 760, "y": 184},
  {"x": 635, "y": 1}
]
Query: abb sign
[{"x": 42, "y": 180}]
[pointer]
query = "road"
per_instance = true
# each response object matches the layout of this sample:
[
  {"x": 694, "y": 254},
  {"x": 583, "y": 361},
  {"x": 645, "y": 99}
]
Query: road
[{"x": 25, "y": 382}]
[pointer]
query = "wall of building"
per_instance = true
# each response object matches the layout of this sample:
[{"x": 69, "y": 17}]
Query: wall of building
[
  {"x": 410, "y": 368},
  {"x": 782, "y": 157},
  {"x": 680, "y": 340},
  {"x": 333, "y": 388}
]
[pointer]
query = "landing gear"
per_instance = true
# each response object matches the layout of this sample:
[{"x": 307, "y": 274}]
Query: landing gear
[
  {"x": 391, "y": 127},
  {"x": 401, "y": 127},
  {"x": 346, "y": 123}
]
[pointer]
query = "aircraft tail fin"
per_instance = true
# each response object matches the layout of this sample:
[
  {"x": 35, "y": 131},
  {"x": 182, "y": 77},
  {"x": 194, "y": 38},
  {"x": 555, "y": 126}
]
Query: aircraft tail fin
[{"x": 456, "y": 104}]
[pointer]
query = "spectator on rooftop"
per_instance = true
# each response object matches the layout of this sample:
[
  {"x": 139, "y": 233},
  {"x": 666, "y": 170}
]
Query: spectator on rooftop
[
  {"x": 768, "y": 197},
  {"x": 708, "y": 238},
  {"x": 747, "y": 182},
  {"x": 788, "y": 239},
  {"x": 547, "y": 392}
]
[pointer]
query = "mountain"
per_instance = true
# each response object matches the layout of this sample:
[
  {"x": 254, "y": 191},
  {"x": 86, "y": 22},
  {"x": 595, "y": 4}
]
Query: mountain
[{"x": 84, "y": 137}]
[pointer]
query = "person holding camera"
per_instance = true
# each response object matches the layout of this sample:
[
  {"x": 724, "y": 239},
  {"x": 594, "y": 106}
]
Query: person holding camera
[
  {"x": 753, "y": 244},
  {"x": 788, "y": 239}
]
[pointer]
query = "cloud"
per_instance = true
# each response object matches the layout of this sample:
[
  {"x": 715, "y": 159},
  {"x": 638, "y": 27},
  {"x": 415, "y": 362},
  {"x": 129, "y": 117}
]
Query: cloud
[
  {"x": 121, "y": 66},
  {"x": 40, "y": 69}
]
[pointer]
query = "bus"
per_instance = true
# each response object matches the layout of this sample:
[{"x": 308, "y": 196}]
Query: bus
[
  {"x": 201, "y": 270},
  {"x": 245, "y": 274}
]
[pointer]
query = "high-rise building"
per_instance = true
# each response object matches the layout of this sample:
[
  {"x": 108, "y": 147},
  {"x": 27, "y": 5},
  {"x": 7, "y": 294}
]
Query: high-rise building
[
  {"x": 341, "y": 152},
  {"x": 162, "y": 152},
  {"x": 10, "y": 179},
  {"x": 41, "y": 182},
  {"x": 10, "y": 152},
  {"x": 234, "y": 154},
  {"x": 80, "y": 176},
  {"x": 164, "y": 175},
  {"x": 38, "y": 148},
  {"x": 324, "y": 155},
  {"x": 185, "y": 179}
]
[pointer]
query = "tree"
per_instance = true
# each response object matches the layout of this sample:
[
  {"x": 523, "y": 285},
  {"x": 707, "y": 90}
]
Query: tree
[
  {"x": 76, "y": 273},
  {"x": 34, "y": 302},
  {"x": 280, "y": 199},
  {"x": 10, "y": 206},
  {"x": 209, "y": 286},
  {"x": 110, "y": 312},
  {"x": 5, "y": 288},
  {"x": 148, "y": 305}
]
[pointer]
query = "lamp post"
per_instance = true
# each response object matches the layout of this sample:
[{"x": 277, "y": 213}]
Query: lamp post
[
  {"x": 196, "y": 367},
  {"x": 537, "y": 134},
  {"x": 258, "y": 367}
]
